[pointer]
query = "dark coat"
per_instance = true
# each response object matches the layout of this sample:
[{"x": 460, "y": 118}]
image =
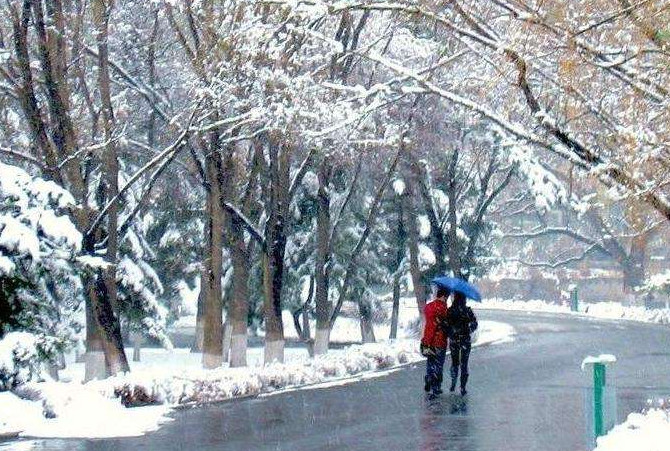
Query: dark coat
[{"x": 461, "y": 322}]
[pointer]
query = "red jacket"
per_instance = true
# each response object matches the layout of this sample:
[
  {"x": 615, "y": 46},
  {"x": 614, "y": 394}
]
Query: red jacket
[{"x": 435, "y": 331}]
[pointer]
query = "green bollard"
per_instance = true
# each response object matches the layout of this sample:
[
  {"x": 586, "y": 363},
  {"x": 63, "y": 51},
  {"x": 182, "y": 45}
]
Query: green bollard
[
  {"x": 574, "y": 300},
  {"x": 599, "y": 382},
  {"x": 603, "y": 414}
]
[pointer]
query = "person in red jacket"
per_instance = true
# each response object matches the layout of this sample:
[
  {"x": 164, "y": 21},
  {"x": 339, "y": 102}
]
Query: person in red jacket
[{"x": 434, "y": 342}]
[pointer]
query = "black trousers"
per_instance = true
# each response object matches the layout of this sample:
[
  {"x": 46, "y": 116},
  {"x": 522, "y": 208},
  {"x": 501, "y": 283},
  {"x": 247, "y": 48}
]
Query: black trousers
[{"x": 460, "y": 354}]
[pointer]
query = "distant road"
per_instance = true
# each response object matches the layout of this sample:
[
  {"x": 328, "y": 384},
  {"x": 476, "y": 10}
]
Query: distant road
[{"x": 526, "y": 395}]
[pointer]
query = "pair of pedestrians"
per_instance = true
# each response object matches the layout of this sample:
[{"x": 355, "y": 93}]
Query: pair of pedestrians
[{"x": 447, "y": 327}]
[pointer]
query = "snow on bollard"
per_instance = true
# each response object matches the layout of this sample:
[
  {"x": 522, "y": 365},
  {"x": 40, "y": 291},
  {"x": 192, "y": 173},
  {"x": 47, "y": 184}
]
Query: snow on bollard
[{"x": 601, "y": 401}]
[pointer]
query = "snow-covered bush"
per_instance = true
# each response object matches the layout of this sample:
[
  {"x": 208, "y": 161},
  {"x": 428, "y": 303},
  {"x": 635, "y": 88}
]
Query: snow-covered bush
[
  {"x": 40, "y": 287},
  {"x": 21, "y": 354},
  {"x": 205, "y": 386}
]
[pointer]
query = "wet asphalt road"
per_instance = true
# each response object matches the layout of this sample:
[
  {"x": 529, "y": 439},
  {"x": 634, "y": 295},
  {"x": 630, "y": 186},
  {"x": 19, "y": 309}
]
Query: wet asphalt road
[{"x": 526, "y": 395}]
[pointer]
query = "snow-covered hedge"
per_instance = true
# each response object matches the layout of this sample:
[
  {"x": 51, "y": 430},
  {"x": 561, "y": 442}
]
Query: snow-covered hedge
[
  {"x": 200, "y": 386},
  {"x": 20, "y": 359}
]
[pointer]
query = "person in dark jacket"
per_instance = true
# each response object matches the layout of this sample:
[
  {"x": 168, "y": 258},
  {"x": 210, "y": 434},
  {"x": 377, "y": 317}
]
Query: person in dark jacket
[
  {"x": 461, "y": 323},
  {"x": 435, "y": 340}
]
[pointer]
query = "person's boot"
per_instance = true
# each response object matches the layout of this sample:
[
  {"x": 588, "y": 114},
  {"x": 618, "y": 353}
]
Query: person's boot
[
  {"x": 437, "y": 385},
  {"x": 454, "y": 377},
  {"x": 464, "y": 381}
]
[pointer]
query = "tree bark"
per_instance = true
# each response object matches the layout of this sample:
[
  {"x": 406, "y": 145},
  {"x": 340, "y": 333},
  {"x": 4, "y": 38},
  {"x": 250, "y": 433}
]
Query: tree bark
[
  {"x": 112, "y": 343},
  {"x": 200, "y": 309},
  {"x": 367, "y": 328},
  {"x": 239, "y": 306},
  {"x": 274, "y": 328},
  {"x": 413, "y": 245},
  {"x": 137, "y": 339},
  {"x": 94, "y": 359},
  {"x": 634, "y": 266},
  {"x": 401, "y": 238},
  {"x": 212, "y": 346},
  {"x": 107, "y": 303},
  {"x": 321, "y": 270},
  {"x": 395, "y": 311},
  {"x": 273, "y": 255}
]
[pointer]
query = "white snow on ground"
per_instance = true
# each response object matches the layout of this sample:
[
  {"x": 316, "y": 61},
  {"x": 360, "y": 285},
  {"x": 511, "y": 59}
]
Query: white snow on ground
[
  {"x": 649, "y": 431},
  {"x": 601, "y": 310},
  {"x": 82, "y": 411},
  {"x": 175, "y": 378}
]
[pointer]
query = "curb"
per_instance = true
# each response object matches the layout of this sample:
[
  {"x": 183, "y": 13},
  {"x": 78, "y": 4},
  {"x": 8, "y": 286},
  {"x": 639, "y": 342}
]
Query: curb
[{"x": 9, "y": 435}]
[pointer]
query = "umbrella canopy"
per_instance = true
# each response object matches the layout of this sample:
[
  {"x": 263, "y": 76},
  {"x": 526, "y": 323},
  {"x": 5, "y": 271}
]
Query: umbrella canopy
[{"x": 459, "y": 285}]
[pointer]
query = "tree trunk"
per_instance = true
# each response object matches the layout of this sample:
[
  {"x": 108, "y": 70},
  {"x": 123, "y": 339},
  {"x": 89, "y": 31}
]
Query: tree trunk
[
  {"x": 321, "y": 270},
  {"x": 274, "y": 328},
  {"x": 112, "y": 343},
  {"x": 307, "y": 331},
  {"x": 151, "y": 63},
  {"x": 413, "y": 245},
  {"x": 302, "y": 314},
  {"x": 401, "y": 238},
  {"x": 94, "y": 366},
  {"x": 212, "y": 346},
  {"x": 634, "y": 268},
  {"x": 396, "y": 307},
  {"x": 239, "y": 305},
  {"x": 106, "y": 304},
  {"x": 452, "y": 235},
  {"x": 227, "y": 339},
  {"x": 136, "y": 338},
  {"x": 367, "y": 328},
  {"x": 200, "y": 310},
  {"x": 273, "y": 254}
]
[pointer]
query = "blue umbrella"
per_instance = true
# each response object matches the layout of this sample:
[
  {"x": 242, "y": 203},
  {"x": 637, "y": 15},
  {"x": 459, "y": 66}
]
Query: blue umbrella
[{"x": 459, "y": 285}]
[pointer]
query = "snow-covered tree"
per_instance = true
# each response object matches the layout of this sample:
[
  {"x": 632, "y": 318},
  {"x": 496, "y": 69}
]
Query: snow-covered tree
[{"x": 40, "y": 287}]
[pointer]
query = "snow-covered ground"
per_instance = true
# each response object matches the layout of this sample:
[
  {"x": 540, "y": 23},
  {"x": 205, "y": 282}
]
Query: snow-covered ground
[
  {"x": 601, "y": 310},
  {"x": 169, "y": 378},
  {"x": 648, "y": 431}
]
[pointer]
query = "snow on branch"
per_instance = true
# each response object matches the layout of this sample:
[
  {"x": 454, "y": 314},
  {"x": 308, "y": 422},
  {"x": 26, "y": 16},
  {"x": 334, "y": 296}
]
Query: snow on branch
[{"x": 255, "y": 233}]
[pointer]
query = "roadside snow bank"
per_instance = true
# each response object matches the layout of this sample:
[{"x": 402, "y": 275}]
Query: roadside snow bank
[
  {"x": 81, "y": 411},
  {"x": 96, "y": 409},
  {"x": 601, "y": 310},
  {"x": 649, "y": 431}
]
